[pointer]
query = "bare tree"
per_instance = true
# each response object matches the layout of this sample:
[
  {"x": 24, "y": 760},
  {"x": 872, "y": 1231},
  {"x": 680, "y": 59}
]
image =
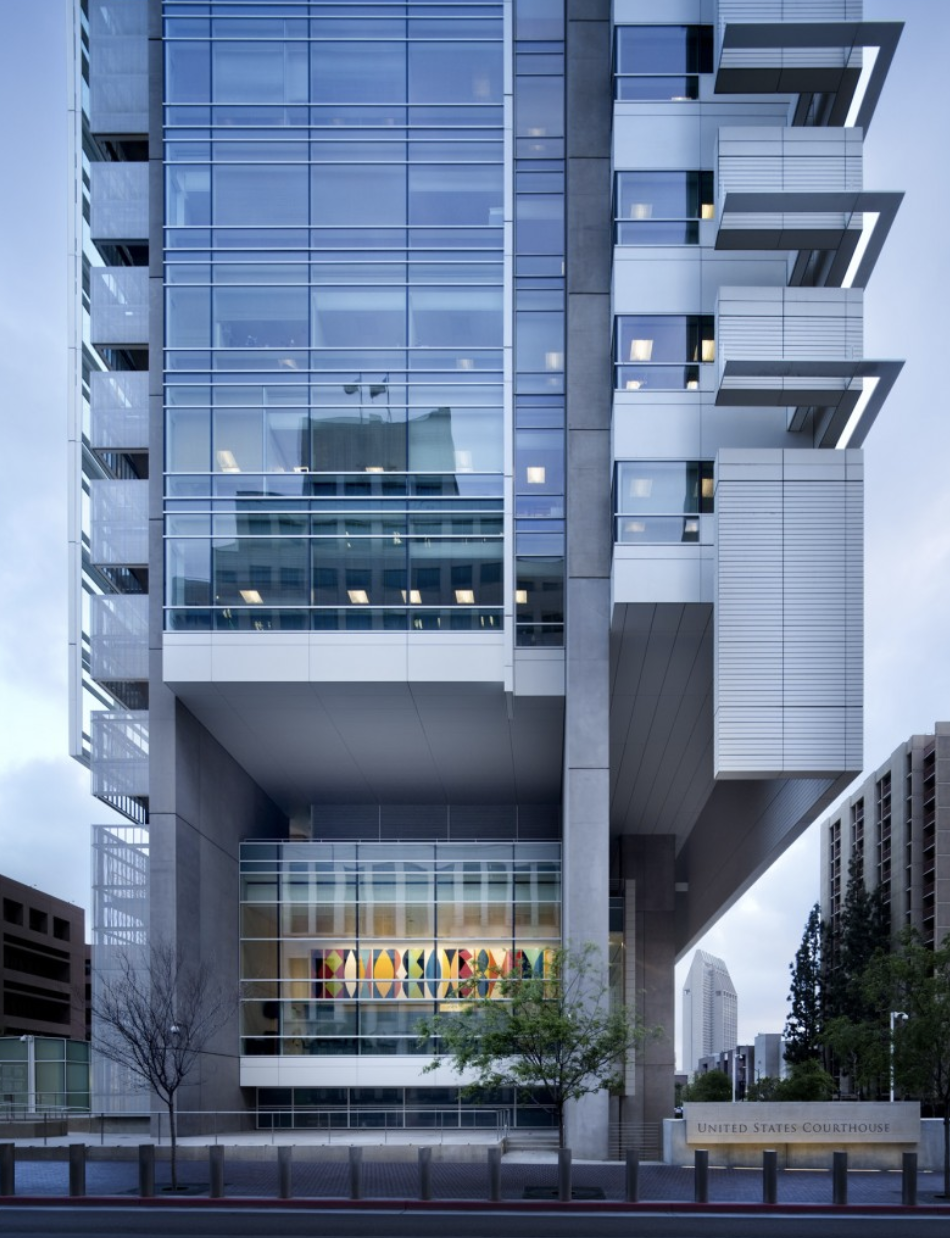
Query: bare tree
[{"x": 156, "y": 1019}]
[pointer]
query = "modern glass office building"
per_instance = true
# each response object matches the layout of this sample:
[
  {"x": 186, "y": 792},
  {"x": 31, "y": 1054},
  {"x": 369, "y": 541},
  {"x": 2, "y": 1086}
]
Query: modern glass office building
[{"x": 467, "y": 542}]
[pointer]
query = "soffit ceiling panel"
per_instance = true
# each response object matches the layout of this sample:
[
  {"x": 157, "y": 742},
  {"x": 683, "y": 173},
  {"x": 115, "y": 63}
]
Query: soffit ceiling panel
[
  {"x": 386, "y": 743},
  {"x": 661, "y": 717}
]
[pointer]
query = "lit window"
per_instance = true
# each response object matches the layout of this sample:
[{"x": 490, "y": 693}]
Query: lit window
[
  {"x": 661, "y": 208},
  {"x": 662, "y": 352},
  {"x": 661, "y": 501}
]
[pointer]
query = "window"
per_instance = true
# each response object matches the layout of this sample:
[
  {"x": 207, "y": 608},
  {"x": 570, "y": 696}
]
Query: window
[
  {"x": 661, "y": 208},
  {"x": 662, "y": 500},
  {"x": 661, "y": 62},
  {"x": 662, "y": 352},
  {"x": 12, "y": 911}
]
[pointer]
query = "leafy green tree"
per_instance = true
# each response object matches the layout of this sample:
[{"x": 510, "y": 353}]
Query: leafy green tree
[
  {"x": 855, "y": 1028},
  {"x": 916, "y": 981},
  {"x": 554, "y": 1038},
  {"x": 766, "y": 1088},
  {"x": 806, "y": 1080},
  {"x": 803, "y": 1026},
  {"x": 712, "y": 1085}
]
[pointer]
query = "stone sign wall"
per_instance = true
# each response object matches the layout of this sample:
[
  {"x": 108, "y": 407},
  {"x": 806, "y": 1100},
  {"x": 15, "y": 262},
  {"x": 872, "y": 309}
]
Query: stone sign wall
[{"x": 767, "y": 1124}]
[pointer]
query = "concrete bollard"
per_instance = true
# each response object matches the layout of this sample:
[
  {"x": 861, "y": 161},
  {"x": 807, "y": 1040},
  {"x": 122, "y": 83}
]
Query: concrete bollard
[
  {"x": 7, "y": 1169},
  {"x": 216, "y": 1169},
  {"x": 701, "y": 1176},
  {"x": 146, "y": 1170},
  {"x": 285, "y": 1171},
  {"x": 564, "y": 1175},
  {"x": 494, "y": 1174},
  {"x": 632, "y": 1182},
  {"x": 425, "y": 1173},
  {"x": 839, "y": 1178},
  {"x": 356, "y": 1173},
  {"x": 77, "y": 1169},
  {"x": 770, "y": 1177},
  {"x": 909, "y": 1179}
]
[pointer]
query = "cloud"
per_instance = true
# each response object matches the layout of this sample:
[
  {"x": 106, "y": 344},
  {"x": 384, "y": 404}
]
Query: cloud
[{"x": 45, "y": 815}]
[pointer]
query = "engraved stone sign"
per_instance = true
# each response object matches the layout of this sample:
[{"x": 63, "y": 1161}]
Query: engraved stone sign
[{"x": 771, "y": 1123}]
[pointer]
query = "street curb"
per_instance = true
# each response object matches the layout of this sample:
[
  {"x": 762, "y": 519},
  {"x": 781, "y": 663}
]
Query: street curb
[{"x": 662, "y": 1208}]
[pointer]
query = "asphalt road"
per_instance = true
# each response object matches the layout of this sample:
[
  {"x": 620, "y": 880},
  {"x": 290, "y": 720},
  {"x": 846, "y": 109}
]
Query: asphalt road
[{"x": 178, "y": 1222}]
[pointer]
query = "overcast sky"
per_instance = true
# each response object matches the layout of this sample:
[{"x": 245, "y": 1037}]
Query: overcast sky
[{"x": 45, "y": 809}]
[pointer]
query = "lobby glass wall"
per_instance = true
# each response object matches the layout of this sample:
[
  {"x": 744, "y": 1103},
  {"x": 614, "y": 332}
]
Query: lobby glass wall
[
  {"x": 334, "y": 315},
  {"x": 345, "y": 947}
]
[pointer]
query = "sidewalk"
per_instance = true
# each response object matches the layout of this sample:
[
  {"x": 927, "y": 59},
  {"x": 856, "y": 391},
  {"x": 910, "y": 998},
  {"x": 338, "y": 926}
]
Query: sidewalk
[{"x": 251, "y": 1173}]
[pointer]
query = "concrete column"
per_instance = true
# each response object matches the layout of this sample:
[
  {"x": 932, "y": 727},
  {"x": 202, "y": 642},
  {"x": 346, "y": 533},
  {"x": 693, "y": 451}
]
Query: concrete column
[
  {"x": 564, "y": 1175},
  {"x": 146, "y": 1170},
  {"x": 216, "y": 1170},
  {"x": 586, "y": 795},
  {"x": 494, "y": 1174},
  {"x": 77, "y": 1169},
  {"x": 425, "y": 1173},
  {"x": 647, "y": 866},
  {"x": 839, "y": 1178},
  {"x": 356, "y": 1172},
  {"x": 7, "y": 1169},
  {"x": 632, "y": 1176},
  {"x": 701, "y": 1176},
  {"x": 770, "y": 1177},
  {"x": 909, "y": 1179},
  {"x": 285, "y": 1189}
]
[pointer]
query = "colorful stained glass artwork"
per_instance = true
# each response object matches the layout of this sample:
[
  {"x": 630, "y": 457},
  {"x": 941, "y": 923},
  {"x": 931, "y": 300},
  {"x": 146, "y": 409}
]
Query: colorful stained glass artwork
[{"x": 419, "y": 972}]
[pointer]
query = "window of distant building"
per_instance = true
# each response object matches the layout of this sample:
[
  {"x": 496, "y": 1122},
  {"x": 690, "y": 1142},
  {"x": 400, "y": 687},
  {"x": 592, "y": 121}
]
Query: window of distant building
[
  {"x": 661, "y": 62},
  {"x": 662, "y": 352},
  {"x": 661, "y": 208}
]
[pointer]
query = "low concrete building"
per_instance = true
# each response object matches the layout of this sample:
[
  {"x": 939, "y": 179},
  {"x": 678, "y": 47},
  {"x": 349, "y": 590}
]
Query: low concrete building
[{"x": 43, "y": 968}]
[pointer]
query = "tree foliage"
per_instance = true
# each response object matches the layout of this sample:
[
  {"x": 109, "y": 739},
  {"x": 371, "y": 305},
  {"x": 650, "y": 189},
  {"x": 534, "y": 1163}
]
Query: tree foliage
[
  {"x": 156, "y": 1020},
  {"x": 915, "y": 980},
  {"x": 803, "y": 1026},
  {"x": 806, "y": 1080},
  {"x": 864, "y": 930},
  {"x": 855, "y": 1034},
  {"x": 712, "y": 1085},
  {"x": 764, "y": 1089},
  {"x": 554, "y": 1038}
]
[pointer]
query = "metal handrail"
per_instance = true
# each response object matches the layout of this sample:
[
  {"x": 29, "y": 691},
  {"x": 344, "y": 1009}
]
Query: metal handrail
[{"x": 383, "y": 1120}]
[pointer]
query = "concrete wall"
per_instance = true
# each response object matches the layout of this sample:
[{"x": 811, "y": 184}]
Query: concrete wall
[
  {"x": 676, "y": 1151},
  {"x": 202, "y": 805}
]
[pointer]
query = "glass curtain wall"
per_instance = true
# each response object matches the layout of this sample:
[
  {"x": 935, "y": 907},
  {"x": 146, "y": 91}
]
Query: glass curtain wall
[
  {"x": 334, "y": 315},
  {"x": 346, "y": 946},
  {"x": 539, "y": 322}
]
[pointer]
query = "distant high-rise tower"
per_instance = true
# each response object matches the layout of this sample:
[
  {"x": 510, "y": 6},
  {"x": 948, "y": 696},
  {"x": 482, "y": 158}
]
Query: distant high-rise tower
[{"x": 710, "y": 1010}]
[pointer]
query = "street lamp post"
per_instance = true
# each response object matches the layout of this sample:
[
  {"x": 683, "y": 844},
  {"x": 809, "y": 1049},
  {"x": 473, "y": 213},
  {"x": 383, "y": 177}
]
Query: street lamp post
[
  {"x": 895, "y": 1015},
  {"x": 30, "y": 1042}
]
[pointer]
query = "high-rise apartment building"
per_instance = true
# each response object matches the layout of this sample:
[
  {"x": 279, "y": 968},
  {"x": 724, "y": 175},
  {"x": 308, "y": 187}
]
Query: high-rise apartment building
[
  {"x": 895, "y": 828},
  {"x": 467, "y": 529},
  {"x": 710, "y": 1011}
]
